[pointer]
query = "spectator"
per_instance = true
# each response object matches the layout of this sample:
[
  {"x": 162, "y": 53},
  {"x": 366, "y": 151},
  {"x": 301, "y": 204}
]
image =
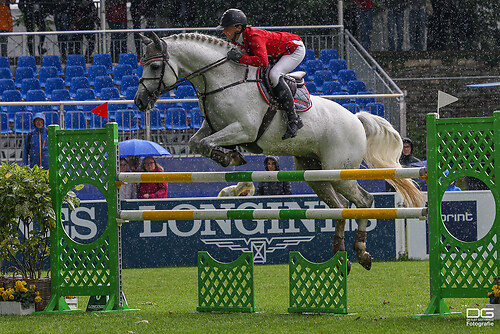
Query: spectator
[
  {"x": 138, "y": 10},
  {"x": 365, "y": 21},
  {"x": 418, "y": 23},
  {"x": 35, "y": 12},
  {"x": 240, "y": 189},
  {"x": 151, "y": 190},
  {"x": 116, "y": 15},
  {"x": 5, "y": 24},
  {"x": 452, "y": 186},
  {"x": 395, "y": 23},
  {"x": 407, "y": 154},
  {"x": 62, "y": 21},
  {"x": 134, "y": 162},
  {"x": 272, "y": 163},
  {"x": 84, "y": 17},
  {"x": 127, "y": 190},
  {"x": 36, "y": 144}
]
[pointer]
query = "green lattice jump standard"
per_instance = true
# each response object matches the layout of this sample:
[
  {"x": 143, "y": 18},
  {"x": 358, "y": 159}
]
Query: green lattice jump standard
[
  {"x": 318, "y": 287},
  {"x": 464, "y": 147},
  {"x": 226, "y": 287},
  {"x": 94, "y": 269}
]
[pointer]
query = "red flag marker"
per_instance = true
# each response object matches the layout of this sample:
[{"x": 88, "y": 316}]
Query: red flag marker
[{"x": 101, "y": 110}]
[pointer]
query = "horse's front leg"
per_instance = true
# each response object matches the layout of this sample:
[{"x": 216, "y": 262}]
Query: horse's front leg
[{"x": 211, "y": 145}]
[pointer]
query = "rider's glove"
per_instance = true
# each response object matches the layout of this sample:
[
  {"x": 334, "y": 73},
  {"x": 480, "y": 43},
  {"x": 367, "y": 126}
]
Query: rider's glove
[{"x": 235, "y": 55}]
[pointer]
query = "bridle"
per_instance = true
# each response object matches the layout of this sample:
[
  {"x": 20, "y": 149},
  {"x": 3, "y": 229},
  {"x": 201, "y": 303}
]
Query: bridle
[{"x": 161, "y": 88}]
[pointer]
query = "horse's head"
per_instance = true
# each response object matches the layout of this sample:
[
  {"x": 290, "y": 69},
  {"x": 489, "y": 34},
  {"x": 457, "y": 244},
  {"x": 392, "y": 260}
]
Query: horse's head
[{"x": 158, "y": 73}]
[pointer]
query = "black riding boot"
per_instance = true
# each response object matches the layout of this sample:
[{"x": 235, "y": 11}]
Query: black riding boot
[{"x": 285, "y": 102}]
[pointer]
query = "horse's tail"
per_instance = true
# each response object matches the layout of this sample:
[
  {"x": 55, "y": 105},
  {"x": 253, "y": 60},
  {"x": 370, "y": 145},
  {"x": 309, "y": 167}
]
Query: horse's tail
[{"x": 383, "y": 150}]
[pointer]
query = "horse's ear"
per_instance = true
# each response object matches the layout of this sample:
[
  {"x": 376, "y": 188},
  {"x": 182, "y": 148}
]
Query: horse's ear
[
  {"x": 146, "y": 40},
  {"x": 157, "y": 41}
]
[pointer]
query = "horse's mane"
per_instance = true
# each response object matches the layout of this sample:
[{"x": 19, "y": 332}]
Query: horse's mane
[{"x": 202, "y": 38}]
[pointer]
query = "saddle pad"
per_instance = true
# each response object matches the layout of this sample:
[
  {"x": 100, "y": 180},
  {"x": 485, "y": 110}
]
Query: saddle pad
[{"x": 301, "y": 98}]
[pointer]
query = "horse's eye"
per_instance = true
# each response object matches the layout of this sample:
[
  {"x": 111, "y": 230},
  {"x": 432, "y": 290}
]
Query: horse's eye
[{"x": 155, "y": 66}]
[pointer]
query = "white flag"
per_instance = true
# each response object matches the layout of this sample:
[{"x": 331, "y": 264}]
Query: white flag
[{"x": 444, "y": 99}]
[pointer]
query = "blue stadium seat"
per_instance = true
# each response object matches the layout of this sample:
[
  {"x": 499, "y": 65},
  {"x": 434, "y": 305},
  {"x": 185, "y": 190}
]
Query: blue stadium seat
[
  {"x": 119, "y": 71},
  {"x": 339, "y": 100},
  {"x": 77, "y": 60},
  {"x": 139, "y": 71},
  {"x": 76, "y": 84},
  {"x": 53, "y": 84},
  {"x": 352, "y": 107},
  {"x": 51, "y": 117},
  {"x": 29, "y": 84},
  {"x": 155, "y": 118},
  {"x": 52, "y": 60},
  {"x": 126, "y": 120},
  {"x": 176, "y": 119},
  {"x": 129, "y": 95},
  {"x": 103, "y": 59},
  {"x": 322, "y": 76},
  {"x": 131, "y": 59},
  {"x": 325, "y": 55},
  {"x": 330, "y": 87},
  {"x": 355, "y": 86},
  {"x": 6, "y": 84},
  {"x": 362, "y": 101},
  {"x": 62, "y": 95},
  {"x": 27, "y": 61},
  {"x": 375, "y": 108},
  {"x": 4, "y": 62},
  {"x": 47, "y": 72},
  {"x": 186, "y": 92},
  {"x": 311, "y": 66},
  {"x": 37, "y": 95},
  {"x": 4, "y": 123},
  {"x": 85, "y": 94},
  {"x": 96, "y": 71},
  {"x": 23, "y": 73},
  {"x": 308, "y": 56},
  {"x": 96, "y": 121},
  {"x": 72, "y": 72},
  {"x": 5, "y": 73},
  {"x": 335, "y": 65},
  {"x": 23, "y": 122},
  {"x": 111, "y": 93},
  {"x": 13, "y": 96},
  {"x": 128, "y": 81},
  {"x": 345, "y": 76},
  {"x": 311, "y": 87},
  {"x": 102, "y": 82},
  {"x": 196, "y": 118},
  {"x": 75, "y": 120}
]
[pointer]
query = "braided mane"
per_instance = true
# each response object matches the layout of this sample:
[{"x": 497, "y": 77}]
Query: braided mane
[{"x": 200, "y": 37}]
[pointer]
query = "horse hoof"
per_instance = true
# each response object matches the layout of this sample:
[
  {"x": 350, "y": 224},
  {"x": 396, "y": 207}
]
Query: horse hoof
[
  {"x": 220, "y": 157},
  {"x": 365, "y": 260},
  {"x": 236, "y": 158}
]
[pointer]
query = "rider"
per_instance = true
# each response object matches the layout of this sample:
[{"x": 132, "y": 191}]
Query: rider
[{"x": 287, "y": 50}]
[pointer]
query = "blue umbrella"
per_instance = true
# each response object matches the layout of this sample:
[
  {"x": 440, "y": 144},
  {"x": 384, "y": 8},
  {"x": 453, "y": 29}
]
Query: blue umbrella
[{"x": 143, "y": 148}]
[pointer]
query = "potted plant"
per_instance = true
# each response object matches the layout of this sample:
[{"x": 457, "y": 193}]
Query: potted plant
[
  {"x": 494, "y": 297},
  {"x": 19, "y": 300},
  {"x": 26, "y": 217}
]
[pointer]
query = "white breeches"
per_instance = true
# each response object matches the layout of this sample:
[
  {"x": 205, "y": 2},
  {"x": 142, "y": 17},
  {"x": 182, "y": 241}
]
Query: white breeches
[{"x": 287, "y": 63}]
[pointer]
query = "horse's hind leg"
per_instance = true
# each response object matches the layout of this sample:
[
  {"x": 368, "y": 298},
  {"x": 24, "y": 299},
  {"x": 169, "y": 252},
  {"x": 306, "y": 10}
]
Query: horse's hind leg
[
  {"x": 327, "y": 194},
  {"x": 362, "y": 199}
]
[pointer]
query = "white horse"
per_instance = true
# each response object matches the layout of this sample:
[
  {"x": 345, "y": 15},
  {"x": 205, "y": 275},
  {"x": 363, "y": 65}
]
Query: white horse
[{"x": 332, "y": 137}]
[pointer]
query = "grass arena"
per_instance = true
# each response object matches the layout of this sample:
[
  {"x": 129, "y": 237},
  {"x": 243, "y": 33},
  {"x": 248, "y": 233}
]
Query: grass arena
[{"x": 458, "y": 274}]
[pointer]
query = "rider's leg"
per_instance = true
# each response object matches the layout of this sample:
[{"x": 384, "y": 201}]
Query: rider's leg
[{"x": 286, "y": 64}]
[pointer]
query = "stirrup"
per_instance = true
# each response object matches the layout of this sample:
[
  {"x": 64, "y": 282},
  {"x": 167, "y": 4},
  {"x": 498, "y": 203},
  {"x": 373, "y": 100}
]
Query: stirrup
[{"x": 291, "y": 129}]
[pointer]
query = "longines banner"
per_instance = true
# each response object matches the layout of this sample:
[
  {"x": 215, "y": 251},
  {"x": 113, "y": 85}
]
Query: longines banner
[{"x": 176, "y": 243}]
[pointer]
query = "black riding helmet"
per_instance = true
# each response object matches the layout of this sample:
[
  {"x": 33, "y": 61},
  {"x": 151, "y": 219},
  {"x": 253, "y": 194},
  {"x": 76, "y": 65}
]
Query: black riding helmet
[{"x": 232, "y": 17}]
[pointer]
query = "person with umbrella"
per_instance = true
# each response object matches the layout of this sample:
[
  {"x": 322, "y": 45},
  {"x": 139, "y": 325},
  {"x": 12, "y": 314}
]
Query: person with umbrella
[
  {"x": 127, "y": 190},
  {"x": 151, "y": 190}
]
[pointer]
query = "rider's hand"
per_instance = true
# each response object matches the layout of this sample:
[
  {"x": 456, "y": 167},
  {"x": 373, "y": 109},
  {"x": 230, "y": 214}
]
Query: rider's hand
[{"x": 234, "y": 54}]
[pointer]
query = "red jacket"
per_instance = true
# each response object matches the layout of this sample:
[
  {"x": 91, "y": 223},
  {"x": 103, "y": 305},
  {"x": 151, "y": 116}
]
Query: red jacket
[
  {"x": 260, "y": 43},
  {"x": 364, "y": 4},
  {"x": 155, "y": 190}
]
